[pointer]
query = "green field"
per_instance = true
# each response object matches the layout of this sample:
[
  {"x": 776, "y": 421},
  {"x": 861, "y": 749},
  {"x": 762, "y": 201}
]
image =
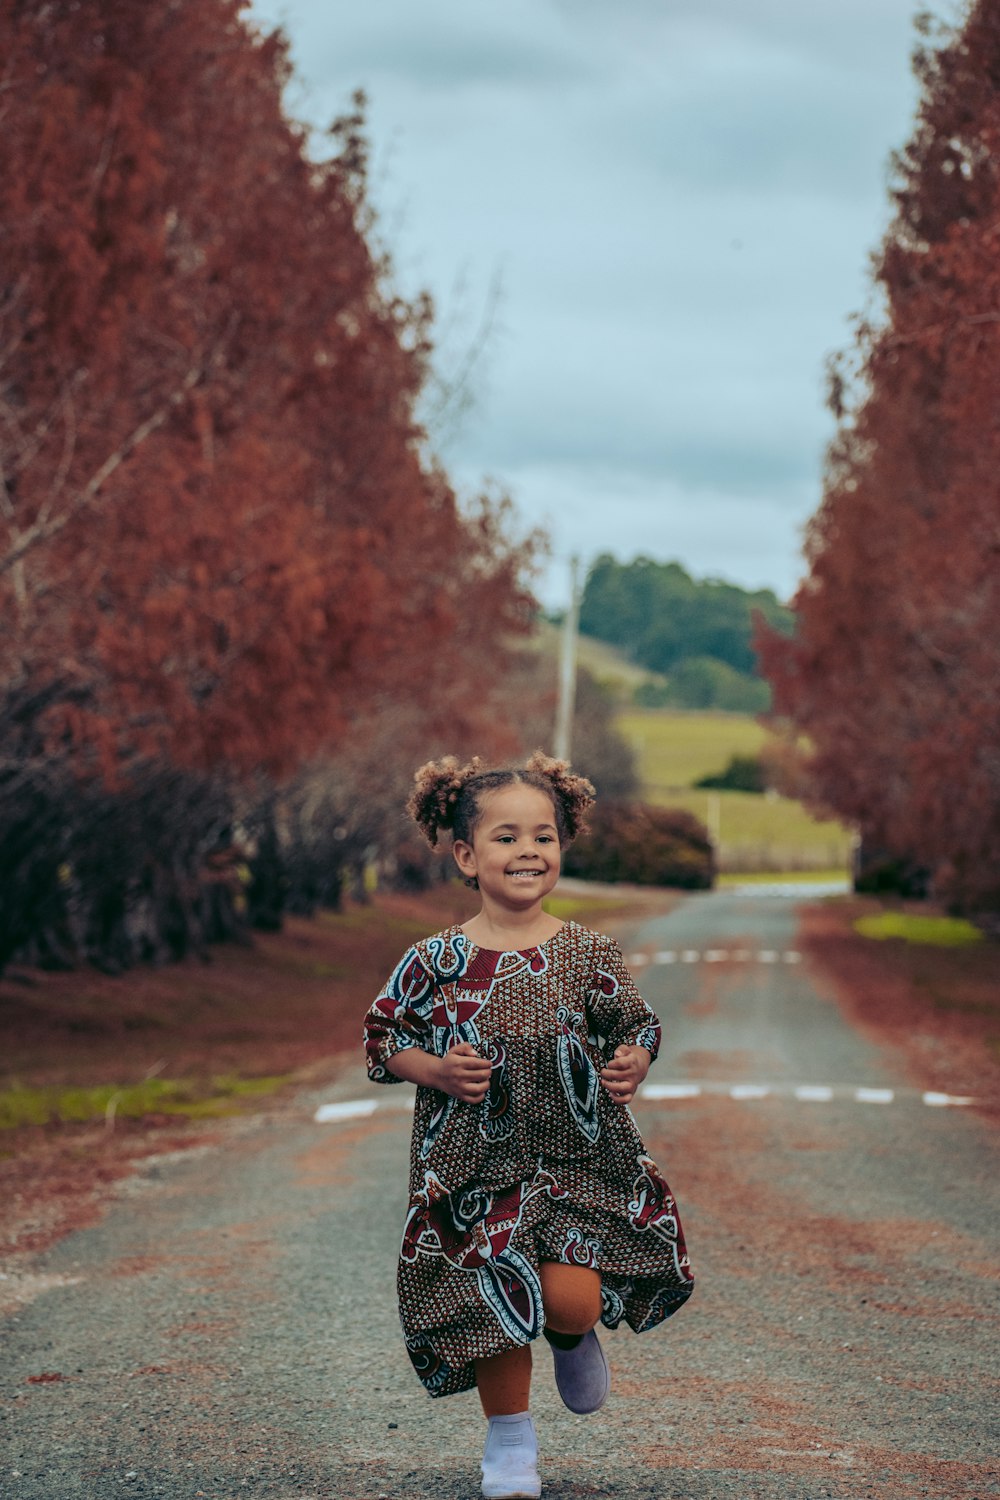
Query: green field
[
  {"x": 752, "y": 833},
  {"x": 675, "y": 748}
]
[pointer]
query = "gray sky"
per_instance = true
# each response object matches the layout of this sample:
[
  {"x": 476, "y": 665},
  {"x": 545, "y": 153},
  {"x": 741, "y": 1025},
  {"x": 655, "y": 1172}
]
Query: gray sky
[{"x": 679, "y": 203}]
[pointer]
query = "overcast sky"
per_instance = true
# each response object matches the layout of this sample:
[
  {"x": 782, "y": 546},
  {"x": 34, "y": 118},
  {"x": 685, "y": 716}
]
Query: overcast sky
[{"x": 678, "y": 203}]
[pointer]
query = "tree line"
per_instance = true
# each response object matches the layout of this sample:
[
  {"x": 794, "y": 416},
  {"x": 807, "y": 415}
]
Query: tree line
[
  {"x": 241, "y": 599},
  {"x": 894, "y": 670},
  {"x": 698, "y": 633}
]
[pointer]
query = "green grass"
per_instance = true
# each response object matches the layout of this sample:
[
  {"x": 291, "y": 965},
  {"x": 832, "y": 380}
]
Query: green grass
[
  {"x": 674, "y": 748},
  {"x": 936, "y": 932},
  {"x": 566, "y": 907},
  {"x": 764, "y": 834},
  {"x": 605, "y": 663},
  {"x": 207, "y": 1099},
  {"x": 762, "y": 877}
]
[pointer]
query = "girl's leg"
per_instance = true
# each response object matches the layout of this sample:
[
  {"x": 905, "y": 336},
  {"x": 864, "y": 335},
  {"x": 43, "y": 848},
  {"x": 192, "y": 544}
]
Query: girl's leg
[
  {"x": 504, "y": 1382},
  {"x": 571, "y": 1296},
  {"x": 510, "y": 1459}
]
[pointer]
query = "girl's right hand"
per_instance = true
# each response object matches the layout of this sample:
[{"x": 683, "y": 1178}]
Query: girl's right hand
[{"x": 464, "y": 1074}]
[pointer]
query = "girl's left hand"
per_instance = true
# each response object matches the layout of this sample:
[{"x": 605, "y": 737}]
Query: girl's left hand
[{"x": 625, "y": 1072}]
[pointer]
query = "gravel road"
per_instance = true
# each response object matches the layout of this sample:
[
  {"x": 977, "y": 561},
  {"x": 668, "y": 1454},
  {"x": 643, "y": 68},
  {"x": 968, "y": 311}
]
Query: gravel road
[{"x": 228, "y": 1328}]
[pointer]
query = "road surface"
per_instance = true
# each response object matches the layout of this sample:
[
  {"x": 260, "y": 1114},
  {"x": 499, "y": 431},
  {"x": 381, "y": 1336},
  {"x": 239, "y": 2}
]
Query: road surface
[{"x": 228, "y": 1329}]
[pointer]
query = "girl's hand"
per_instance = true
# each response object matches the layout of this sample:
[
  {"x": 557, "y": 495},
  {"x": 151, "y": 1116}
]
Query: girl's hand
[
  {"x": 464, "y": 1074},
  {"x": 625, "y": 1072}
]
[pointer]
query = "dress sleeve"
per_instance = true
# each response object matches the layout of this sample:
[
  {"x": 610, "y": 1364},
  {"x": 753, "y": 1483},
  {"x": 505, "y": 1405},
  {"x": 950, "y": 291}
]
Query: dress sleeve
[
  {"x": 616, "y": 1010},
  {"x": 400, "y": 1017}
]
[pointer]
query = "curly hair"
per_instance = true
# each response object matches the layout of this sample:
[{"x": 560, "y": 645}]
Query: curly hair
[{"x": 447, "y": 795}]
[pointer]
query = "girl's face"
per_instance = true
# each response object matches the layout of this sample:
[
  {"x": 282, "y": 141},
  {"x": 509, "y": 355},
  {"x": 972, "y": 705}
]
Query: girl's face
[{"x": 515, "y": 851}]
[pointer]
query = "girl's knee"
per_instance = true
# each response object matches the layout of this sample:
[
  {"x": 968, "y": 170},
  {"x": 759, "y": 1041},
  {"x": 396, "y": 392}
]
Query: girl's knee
[{"x": 571, "y": 1296}]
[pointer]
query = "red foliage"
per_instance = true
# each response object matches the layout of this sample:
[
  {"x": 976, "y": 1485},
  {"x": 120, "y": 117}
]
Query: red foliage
[
  {"x": 219, "y": 528},
  {"x": 894, "y": 673}
]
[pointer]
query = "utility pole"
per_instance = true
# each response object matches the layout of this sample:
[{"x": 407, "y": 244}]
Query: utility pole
[{"x": 567, "y": 667}]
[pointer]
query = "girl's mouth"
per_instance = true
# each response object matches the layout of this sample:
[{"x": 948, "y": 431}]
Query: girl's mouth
[{"x": 525, "y": 874}]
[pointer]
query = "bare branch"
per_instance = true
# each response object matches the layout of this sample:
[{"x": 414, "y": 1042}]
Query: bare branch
[{"x": 43, "y": 531}]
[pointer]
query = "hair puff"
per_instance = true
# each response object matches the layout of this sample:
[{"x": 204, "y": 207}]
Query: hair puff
[{"x": 437, "y": 786}]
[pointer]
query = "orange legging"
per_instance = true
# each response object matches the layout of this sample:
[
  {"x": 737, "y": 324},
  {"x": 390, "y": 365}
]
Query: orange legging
[{"x": 571, "y": 1296}]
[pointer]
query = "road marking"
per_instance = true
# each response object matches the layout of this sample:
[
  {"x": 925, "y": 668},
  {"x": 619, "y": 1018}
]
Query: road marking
[
  {"x": 670, "y": 1091},
  {"x": 350, "y": 1109},
  {"x": 712, "y": 956},
  {"x": 652, "y": 1093}
]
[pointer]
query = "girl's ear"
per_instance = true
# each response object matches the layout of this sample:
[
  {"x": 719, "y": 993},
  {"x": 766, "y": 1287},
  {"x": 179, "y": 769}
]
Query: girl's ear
[{"x": 464, "y": 858}]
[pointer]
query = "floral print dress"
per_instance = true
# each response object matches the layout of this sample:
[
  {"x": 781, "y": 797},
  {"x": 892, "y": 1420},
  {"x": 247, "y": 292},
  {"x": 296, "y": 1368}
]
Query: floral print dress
[{"x": 547, "y": 1167}]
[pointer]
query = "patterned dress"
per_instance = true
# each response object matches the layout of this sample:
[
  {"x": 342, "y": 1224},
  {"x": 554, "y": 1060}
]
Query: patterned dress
[{"x": 547, "y": 1167}]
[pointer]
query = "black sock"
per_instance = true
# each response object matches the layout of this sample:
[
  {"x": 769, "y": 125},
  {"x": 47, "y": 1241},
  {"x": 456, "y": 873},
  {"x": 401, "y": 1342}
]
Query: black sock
[{"x": 562, "y": 1340}]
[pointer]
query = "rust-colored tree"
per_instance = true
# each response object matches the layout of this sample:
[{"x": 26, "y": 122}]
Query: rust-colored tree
[
  {"x": 223, "y": 546},
  {"x": 894, "y": 672}
]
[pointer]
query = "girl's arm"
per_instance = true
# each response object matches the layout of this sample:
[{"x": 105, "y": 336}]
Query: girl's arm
[
  {"x": 621, "y": 1016},
  {"x": 399, "y": 1043},
  {"x": 624, "y": 1073},
  {"x": 461, "y": 1072}
]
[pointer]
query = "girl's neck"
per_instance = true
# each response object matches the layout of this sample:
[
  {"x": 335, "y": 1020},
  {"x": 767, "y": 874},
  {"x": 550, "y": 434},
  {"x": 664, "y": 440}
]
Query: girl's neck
[{"x": 508, "y": 931}]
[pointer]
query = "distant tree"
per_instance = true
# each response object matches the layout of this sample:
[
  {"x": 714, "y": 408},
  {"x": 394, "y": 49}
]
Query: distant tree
[
  {"x": 894, "y": 671},
  {"x": 660, "y": 616}
]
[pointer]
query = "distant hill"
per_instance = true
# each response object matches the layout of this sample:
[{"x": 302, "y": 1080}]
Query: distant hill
[{"x": 697, "y": 634}]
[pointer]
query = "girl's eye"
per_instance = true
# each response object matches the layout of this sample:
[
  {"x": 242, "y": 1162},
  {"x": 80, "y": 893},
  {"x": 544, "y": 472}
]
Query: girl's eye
[{"x": 546, "y": 838}]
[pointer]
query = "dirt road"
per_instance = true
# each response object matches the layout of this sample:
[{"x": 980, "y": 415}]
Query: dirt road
[{"x": 228, "y": 1329}]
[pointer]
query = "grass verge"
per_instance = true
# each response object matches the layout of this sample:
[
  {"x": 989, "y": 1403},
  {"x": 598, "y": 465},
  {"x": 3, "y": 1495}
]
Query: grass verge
[{"x": 911, "y": 927}]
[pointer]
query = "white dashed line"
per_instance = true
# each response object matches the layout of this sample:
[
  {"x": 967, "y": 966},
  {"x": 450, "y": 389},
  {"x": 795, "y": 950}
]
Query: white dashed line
[
  {"x": 670, "y": 1091},
  {"x": 350, "y": 1109},
  {"x": 651, "y": 1093},
  {"x": 712, "y": 956}
]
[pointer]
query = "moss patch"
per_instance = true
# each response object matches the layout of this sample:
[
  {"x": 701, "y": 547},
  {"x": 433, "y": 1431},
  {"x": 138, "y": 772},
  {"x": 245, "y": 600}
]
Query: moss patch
[
  {"x": 935, "y": 932},
  {"x": 210, "y": 1098}
]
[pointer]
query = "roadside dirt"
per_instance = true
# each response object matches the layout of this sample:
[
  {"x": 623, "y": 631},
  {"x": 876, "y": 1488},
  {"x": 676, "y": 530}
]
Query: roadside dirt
[{"x": 937, "y": 1010}]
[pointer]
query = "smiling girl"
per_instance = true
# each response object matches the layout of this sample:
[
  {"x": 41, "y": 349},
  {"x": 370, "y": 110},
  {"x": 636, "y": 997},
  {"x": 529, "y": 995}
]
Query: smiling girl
[{"x": 534, "y": 1207}]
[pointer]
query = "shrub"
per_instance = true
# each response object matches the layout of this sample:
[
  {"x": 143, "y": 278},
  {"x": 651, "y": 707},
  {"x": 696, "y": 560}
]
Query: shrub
[
  {"x": 744, "y": 773},
  {"x": 644, "y": 845}
]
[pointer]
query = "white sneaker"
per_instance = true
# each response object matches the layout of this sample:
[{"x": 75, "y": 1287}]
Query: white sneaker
[{"x": 510, "y": 1460}]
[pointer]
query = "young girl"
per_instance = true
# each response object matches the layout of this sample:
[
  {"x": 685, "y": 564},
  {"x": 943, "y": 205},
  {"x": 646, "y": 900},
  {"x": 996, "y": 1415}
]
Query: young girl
[{"x": 534, "y": 1207}]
